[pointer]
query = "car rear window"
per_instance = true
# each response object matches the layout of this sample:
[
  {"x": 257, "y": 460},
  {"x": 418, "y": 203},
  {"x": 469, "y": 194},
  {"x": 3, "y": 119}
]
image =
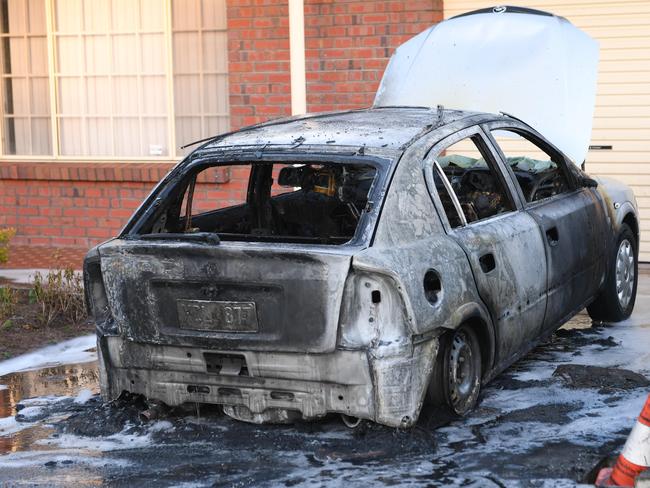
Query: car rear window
[{"x": 270, "y": 201}]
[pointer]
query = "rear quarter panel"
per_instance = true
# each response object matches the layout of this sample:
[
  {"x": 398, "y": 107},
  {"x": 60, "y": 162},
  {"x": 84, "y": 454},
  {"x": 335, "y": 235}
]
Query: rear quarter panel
[{"x": 410, "y": 240}]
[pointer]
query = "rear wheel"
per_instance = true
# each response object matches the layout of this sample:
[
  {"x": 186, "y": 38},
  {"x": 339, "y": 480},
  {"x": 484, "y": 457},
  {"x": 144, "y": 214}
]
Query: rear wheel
[
  {"x": 616, "y": 300},
  {"x": 456, "y": 379}
]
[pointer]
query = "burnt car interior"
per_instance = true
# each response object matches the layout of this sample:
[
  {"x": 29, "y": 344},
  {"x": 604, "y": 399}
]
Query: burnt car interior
[
  {"x": 476, "y": 185},
  {"x": 280, "y": 202},
  {"x": 538, "y": 170}
]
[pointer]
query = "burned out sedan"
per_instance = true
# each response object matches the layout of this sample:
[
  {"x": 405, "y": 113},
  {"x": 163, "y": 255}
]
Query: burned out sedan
[{"x": 374, "y": 260}]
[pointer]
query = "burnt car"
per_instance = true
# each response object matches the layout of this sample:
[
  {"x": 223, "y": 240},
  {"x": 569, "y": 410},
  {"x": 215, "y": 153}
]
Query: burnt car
[{"x": 374, "y": 260}]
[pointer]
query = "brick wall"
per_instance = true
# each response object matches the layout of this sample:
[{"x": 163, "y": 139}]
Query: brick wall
[
  {"x": 258, "y": 60},
  {"x": 347, "y": 47},
  {"x": 349, "y": 43}
]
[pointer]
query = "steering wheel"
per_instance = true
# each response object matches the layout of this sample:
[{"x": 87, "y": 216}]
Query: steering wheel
[{"x": 546, "y": 182}]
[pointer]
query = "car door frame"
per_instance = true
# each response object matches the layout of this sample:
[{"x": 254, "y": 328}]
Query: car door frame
[
  {"x": 535, "y": 208},
  {"x": 506, "y": 352}
]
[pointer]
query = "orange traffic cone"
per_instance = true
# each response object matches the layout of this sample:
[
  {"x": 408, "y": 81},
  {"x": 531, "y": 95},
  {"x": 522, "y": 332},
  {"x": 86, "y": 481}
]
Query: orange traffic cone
[{"x": 635, "y": 457}]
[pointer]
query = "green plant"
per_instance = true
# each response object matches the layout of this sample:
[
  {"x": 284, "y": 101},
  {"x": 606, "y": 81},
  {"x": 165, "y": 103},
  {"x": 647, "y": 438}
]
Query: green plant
[
  {"x": 5, "y": 236},
  {"x": 60, "y": 296},
  {"x": 8, "y": 302}
]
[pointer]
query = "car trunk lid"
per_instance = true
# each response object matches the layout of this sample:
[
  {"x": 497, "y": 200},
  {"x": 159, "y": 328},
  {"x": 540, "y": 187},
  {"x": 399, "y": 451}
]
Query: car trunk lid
[{"x": 233, "y": 296}]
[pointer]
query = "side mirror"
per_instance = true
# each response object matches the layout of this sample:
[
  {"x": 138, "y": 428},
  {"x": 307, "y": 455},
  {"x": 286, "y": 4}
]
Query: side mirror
[{"x": 587, "y": 182}]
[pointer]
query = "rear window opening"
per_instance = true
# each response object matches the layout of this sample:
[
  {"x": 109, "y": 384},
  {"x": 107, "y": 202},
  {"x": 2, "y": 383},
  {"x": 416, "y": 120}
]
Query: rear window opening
[{"x": 306, "y": 202}]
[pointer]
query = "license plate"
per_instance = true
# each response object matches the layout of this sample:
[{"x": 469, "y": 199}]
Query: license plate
[{"x": 217, "y": 316}]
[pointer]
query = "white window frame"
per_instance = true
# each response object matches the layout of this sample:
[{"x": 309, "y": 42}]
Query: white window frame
[{"x": 53, "y": 90}]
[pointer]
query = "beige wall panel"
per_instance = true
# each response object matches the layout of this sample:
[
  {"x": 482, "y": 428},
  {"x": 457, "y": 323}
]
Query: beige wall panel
[{"x": 622, "y": 117}]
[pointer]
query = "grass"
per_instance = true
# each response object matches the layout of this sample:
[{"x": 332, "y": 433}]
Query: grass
[
  {"x": 59, "y": 295},
  {"x": 8, "y": 303},
  {"x": 5, "y": 236}
]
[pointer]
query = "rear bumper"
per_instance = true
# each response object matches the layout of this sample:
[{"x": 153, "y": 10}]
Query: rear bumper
[{"x": 384, "y": 386}]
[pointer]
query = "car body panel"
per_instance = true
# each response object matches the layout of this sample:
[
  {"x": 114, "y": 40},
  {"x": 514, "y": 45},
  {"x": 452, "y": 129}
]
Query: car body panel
[
  {"x": 353, "y": 328},
  {"x": 297, "y": 296}
]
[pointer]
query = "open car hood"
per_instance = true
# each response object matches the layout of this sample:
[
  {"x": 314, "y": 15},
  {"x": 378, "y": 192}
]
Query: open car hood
[{"x": 527, "y": 63}]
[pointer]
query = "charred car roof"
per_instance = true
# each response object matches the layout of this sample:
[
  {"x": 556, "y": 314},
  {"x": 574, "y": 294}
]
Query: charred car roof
[{"x": 385, "y": 127}]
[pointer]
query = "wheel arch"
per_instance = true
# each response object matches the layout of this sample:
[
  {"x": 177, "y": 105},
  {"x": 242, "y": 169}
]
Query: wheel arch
[
  {"x": 477, "y": 318},
  {"x": 632, "y": 222}
]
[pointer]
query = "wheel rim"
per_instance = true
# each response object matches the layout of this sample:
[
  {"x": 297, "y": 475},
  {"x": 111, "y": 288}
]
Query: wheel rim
[
  {"x": 462, "y": 373},
  {"x": 625, "y": 273}
]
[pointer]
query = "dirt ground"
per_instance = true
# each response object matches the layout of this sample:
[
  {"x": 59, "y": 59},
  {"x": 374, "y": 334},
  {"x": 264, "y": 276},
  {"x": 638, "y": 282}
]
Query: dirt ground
[
  {"x": 22, "y": 331},
  {"x": 19, "y": 338}
]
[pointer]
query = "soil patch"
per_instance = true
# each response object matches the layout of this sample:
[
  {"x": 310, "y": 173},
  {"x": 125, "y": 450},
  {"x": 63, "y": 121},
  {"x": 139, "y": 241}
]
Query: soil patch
[{"x": 22, "y": 332}]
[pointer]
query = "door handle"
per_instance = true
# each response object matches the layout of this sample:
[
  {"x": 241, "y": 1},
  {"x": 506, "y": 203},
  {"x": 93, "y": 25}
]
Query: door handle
[
  {"x": 552, "y": 236},
  {"x": 487, "y": 262}
]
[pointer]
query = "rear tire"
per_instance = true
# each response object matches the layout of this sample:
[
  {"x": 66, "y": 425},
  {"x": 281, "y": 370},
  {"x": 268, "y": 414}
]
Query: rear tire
[
  {"x": 456, "y": 380},
  {"x": 615, "y": 301}
]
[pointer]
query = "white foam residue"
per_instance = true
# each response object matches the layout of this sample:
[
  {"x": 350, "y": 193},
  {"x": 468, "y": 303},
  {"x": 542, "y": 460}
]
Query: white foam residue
[
  {"x": 31, "y": 412},
  {"x": 83, "y": 396},
  {"x": 72, "y": 351},
  {"x": 192, "y": 484},
  {"x": 9, "y": 426},
  {"x": 161, "y": 425},
  {"x": 115, "y": 442},
  {"x": 41, "y": 401}
]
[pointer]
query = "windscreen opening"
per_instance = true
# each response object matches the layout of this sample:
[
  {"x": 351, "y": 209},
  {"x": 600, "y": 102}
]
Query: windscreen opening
[{"x": 284, "y": 202}]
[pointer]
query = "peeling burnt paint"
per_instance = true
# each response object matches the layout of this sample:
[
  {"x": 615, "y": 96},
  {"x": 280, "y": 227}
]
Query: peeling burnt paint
[{"x": 349, "y": 328}]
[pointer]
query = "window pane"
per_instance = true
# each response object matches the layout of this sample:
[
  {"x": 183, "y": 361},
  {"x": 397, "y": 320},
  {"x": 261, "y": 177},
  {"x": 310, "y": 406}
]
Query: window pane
[
  {"x": 187, "y": 90},
  {"x": 97, "y": 15},
  {"x": 312, "y": 202},
  {"x": 16, "y": 16},
  {"x": 200, "y": 69},
  {"x": 40, "y": 96},
  {"x": 153, "y": 56},
  {"x": 97, "y": 50},
  {"x": 214, "y": 86},
  {"x": 184, "y": 14},
  {"x": 25, "y": 87},
  {"x": 70, "y": 103},
  {"x": 97, "y": 103},
  {"x": 153, "y": 95},
  {"x": 69, "y": 16},
  {"x": 187, "y": 52},
  {"x": 538, "y": 173},
  {"x": 152, "y": 129},
  {"x": 19, "y": 56},
  {"x": 36, "y": 14},
  {"x": 41, "y": 135},
  {"x": 469, "y": 168},
  {"x": 214, "y": 14},
  {"x": 72, "y": 146},
  {"x": 107, "y": 94},
  {"x": 38, "y": 56},
  {"x": 99, "y": 130},
  {"x": 215, "y": 42}
]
